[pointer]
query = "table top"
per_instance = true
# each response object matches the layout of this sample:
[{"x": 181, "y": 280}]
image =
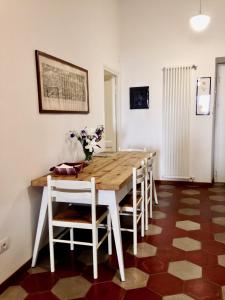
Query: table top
[{"x": 111, "y": 170}]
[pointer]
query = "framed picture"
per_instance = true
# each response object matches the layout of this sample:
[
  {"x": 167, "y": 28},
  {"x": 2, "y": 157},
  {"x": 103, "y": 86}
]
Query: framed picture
[
  {"x": 62, "y": 86},
  {"x": 139, "y": 97},
  {"x": 203, "y": 96}
]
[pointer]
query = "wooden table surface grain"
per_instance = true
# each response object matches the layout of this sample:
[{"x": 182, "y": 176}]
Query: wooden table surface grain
[{"x": 111, "y": 170}]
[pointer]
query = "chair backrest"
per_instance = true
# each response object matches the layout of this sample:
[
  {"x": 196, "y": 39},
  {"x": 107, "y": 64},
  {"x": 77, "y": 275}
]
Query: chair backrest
[
  {"x": 133, "y": 149},
  {"x": 70, "y": 191},
  {"x": 138, "y": 178}
]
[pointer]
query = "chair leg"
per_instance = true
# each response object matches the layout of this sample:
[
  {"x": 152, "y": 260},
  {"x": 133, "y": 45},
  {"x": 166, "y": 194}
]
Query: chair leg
[
  {"x": 155, "y": 194},
  {"x": 51, "y": 249},
  {"x": 146, "y": 206},
  {"x": 142, "y": 219},
  {"x": 71, "y": 239},
  {"x": 135, "y": 233},
  {"x": 94, "y": 248},
  {"x": 109, "y": 235}
]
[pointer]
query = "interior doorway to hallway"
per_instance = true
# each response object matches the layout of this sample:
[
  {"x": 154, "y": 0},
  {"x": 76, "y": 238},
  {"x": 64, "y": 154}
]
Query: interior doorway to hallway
[
  {"x": 110, "y": 101},
  {"x": 219, "y": 122}
]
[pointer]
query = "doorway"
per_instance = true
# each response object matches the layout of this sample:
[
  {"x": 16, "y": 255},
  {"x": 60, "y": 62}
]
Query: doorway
[
  {"x": 110, "y": 99},
  {"x": 219, "y": 134}
]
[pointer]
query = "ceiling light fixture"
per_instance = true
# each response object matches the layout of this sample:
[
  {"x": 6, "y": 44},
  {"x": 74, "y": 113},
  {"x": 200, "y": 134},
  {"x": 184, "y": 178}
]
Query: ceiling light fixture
[{"x": 200, "y": 21}]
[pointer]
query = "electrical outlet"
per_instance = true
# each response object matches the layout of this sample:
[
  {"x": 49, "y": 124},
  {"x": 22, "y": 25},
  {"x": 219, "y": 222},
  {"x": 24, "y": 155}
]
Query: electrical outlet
[{"x": 4, "y": 245}]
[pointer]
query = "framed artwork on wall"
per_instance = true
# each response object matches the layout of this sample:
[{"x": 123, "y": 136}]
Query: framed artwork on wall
[
  {"x": 203, "y": 96},
  {"x": 62, "y": 86},
  {"x": 139, "y": 97}
]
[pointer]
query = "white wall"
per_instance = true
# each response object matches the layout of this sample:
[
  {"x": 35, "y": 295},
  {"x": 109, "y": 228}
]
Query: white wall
[
  {"x": 155, "y": 34},
  {"x": 84, "y": 32}
]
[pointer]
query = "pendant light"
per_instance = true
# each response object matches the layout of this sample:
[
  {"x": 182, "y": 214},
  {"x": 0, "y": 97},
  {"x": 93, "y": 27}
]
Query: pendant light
[{"x": 200, "y": 21}]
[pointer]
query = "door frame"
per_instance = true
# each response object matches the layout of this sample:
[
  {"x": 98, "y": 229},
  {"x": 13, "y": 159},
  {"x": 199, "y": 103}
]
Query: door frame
[
  {"x": 117, "y": 117},
  {"x": 218, "y": 61}
]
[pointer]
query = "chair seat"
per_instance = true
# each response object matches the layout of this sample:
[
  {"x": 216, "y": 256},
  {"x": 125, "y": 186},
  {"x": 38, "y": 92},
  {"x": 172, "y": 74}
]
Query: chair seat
[
  {"x": 127, "y": 201},
  {"x": 80, "y": 214}
]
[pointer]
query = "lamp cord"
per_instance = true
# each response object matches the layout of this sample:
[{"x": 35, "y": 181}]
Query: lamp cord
[{"x": 200, "y": 7}]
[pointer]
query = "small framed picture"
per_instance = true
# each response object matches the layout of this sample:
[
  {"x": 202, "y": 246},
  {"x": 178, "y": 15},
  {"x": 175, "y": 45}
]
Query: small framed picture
[
  {"x": 203, "y": 96},
  {"x": 139, "y": 97}
]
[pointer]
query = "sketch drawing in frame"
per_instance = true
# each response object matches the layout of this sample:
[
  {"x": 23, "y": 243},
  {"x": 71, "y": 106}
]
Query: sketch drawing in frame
[
  {"x": 203, "y": 96},
  {"x": 62, "y": 86}
]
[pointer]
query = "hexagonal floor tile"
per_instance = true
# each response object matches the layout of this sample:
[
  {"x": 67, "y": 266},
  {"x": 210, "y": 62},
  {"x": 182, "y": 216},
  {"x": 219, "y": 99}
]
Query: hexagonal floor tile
[
  {"x": 135, "y": 278},
  {"x": 164, "y": 194},
  {"x": 106, "y": 290},
  {"x": 201, "y": 289},
  {"x": 189, "y": 211},
  {"x": 162, "y": 203},
  {"x": 165, "y": 284},
  {"x": 221, "y": 260},
  {"x": 191, "y": 192},
  {"x": 143, "y": 293},
  {"x": 153, "y": 230},
  {"x": 39, "y": 282},
  {"x": 215, "y": 274},
  {"x": 220, "y": 237},
  {"x": 144, "y": 250},
  {"x": 166, "y": 187},
  {"x": 219, "y": 221},
  {"x": 14, "y": 292},
  {"x": 156, "y": 215},
  {"x": 185, "y": 270},
  {"x": 178, "y": 297},
  {"x": 190, "y": 201},
  {"x": 217, "y": 190},
  {"x": 153, "y": 265},
  {"x": 218, "y": 198},
  {"x": 218, "y": 208},
  {"x": 186, "y": 244},
  {"x": 188, "y": 225},
  {"x": 42, "y": 295},
  {"x": 71, "y": 288},
  {"x": 223, "y": 292},
  {"x": 86, "y": 257}
]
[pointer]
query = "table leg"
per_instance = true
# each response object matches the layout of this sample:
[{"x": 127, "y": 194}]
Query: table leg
[
  {"x": 40, "y": 226},
  {"x": 117, "y": 236}
]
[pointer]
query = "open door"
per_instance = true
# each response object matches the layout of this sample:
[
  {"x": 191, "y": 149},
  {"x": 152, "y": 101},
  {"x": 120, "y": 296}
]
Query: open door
[
  {"x": 110, "y": 86},
  {"x": 219, "y": 144}
]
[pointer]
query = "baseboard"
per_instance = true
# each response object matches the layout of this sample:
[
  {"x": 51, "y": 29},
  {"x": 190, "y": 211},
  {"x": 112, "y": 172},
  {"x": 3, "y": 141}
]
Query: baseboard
[{"x": 186, "y": 183}]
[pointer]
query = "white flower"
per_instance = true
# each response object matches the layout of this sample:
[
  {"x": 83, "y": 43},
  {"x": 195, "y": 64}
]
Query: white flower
[{"x": 91, "y": 145}]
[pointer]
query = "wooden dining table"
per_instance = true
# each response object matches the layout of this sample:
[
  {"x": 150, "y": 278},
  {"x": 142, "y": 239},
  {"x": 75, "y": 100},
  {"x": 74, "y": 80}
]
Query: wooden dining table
[{"x": 113, "y": 176}]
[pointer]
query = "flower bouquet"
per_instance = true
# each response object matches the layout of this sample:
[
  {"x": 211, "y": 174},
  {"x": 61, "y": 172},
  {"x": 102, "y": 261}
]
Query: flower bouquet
[{"x": 88, "y": 139}]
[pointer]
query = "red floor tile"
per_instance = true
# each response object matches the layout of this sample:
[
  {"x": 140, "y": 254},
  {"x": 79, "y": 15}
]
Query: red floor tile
[
  {"x": 214, "y": 274},
  {"x": 139, "y": 294},
  {"x": 153, "y": 265},
  {"x": 201, "y": 258},
  {"x": 165, "y": 284},
  {"x": 39, "y": 282},
  {"x": 170, "y": 253},
  {"x": 105, "y": 291},
  {"x": 202, "y": 290}
]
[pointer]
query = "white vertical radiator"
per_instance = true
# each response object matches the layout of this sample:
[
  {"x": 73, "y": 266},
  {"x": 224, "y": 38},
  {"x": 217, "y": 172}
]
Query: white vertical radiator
[{"x": 176, "y": 122}]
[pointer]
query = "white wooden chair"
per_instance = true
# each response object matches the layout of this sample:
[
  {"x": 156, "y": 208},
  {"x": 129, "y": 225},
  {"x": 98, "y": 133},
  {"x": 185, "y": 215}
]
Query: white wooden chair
[
  {"x": 133, "y": 204},
  {"x": 149, "y": 189},
  {"x": 85, "y": 216}
]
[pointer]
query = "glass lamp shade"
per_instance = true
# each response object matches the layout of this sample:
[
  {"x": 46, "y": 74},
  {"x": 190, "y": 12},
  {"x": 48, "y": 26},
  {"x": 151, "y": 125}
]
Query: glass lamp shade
[{"x": 199, "y": 22}]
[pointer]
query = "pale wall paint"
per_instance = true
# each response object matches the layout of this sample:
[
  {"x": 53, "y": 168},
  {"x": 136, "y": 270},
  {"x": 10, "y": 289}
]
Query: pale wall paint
[
  {"x": 155, "y": 34},
  {"x": 82, "y": 32}
]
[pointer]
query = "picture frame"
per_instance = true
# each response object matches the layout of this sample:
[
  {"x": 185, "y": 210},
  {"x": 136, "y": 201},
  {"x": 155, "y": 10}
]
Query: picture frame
[
  {"x": 139, "y": 97},
  {"x": 203, "y": 96},
  {"x": 62, "y": 86}
]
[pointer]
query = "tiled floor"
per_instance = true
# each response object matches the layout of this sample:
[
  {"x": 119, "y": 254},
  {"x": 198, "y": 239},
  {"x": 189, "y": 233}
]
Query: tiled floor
[{"x": 181, "y": 257}]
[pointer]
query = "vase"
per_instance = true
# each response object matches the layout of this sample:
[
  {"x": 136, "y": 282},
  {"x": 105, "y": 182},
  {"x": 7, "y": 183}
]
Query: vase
[{"x": 88, "y": 155}]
